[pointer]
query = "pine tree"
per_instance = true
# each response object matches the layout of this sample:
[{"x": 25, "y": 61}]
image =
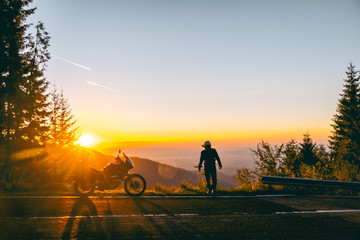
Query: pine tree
[
  {"x": 345, "y": 140},
  {"x": 12, "y": 71},
  {"x": 291, "y": 162},
  {"x": 54, "y": 109},
  {"x": 35, "y": 86},
  {"x": 307, "y": 154},
  {"x": 324, "y": 166},
  {"x": 12, "y": 67},
  {"x": 23, "y": 59},
  {"x": 62, "y": 132},
  {"x": 66, "y": 123},
  {"x": 62, "y": 125}
]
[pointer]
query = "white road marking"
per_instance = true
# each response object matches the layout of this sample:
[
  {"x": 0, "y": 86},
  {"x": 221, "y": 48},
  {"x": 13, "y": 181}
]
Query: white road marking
[
  {"x": 186, "y": 214},
  {"x": 129, "y": 197},
  {"x": 320, "y": 211},
  {"x": 112, "y": 216},
  {"x": 35, "y": 197},
  {"x": 189, "y": 214}
]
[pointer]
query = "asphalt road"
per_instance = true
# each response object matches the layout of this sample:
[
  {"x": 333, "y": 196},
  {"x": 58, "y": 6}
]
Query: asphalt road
[{"x": 258, "y": 217}]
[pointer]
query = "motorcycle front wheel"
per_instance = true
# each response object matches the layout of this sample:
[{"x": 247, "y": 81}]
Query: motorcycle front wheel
[
  {"x": 135, "y": 184},
  {"x": 83, "y": 187}
]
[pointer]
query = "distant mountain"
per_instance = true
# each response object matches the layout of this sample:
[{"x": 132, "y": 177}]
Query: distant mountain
[
  {"x": 155, "y": 172},
  {"x": 167, "y": 175},
  {"x": 232, "y": 157}
]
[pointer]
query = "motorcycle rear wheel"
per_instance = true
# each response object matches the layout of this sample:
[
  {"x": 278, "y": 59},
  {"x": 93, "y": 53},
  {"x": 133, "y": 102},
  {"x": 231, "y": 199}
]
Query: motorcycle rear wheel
[
  {"x": 135, "y": 184},
  {"x": 84, "y": 188}
]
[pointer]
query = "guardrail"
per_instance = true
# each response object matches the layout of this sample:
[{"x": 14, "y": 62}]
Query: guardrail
[{"x": 309, "y": 182}]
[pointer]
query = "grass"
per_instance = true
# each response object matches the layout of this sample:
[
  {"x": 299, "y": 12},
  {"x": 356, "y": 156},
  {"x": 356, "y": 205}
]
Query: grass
[{"x": 254, "y": 188}]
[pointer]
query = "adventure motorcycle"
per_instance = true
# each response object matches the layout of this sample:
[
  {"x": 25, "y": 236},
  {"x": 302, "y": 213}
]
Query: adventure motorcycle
[{"x": 110, "y": 177}]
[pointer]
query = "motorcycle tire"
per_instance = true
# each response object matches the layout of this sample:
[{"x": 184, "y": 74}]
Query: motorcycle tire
[
  {"x": 83, "y": 188},
  {"x": 135, "y": 184}
]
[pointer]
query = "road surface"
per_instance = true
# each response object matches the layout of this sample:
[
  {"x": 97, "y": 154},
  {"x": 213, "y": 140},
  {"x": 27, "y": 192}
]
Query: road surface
[{"x": 236, "y": 217}]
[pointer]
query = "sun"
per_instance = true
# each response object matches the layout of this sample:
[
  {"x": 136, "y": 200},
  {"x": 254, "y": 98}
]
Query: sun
[{"x": 85, "y": 140}]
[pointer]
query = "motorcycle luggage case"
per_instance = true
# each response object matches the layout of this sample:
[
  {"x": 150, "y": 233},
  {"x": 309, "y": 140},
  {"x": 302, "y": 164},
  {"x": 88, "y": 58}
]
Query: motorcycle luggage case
[{"x": 114, "y": 168}]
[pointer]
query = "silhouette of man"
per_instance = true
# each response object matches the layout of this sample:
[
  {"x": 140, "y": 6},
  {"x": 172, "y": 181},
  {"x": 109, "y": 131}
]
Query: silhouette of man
[{"x": 209, "y": 156}]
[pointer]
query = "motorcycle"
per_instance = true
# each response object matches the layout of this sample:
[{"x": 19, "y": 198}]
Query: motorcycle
[{"x": 110, "y": 177}]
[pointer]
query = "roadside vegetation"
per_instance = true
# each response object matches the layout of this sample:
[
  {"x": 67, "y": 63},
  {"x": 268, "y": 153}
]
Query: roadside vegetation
[{"x": 340, "y": 160}]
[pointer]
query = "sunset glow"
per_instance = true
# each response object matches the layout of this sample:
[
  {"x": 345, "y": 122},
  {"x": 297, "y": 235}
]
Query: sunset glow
[
  {"x": 86, "y": 140},
  {"x": 235, "y": 72}
]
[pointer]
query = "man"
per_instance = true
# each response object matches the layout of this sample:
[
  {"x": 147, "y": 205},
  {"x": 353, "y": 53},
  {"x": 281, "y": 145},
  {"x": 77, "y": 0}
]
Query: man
[{"x": 209, "y": 156}]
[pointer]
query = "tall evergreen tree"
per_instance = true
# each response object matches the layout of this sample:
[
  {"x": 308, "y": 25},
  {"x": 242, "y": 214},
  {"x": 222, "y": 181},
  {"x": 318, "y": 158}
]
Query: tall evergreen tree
[
  {"x": 66, "y": 123},
  {"x": 12, "y": 67},
  {"x": 345, "y": 140},
  {"x": 291, "y": 163},
  {"x": 62, "y": 132},
  {"x": 12, "y": 70},
  {"x": 23, "y": 60},
  {"x": 35, "y": 85},
  {"x": 54, "y": 108},
  {"x": 23, "y": 57},
  {"x": 307, "y": 152},
  {"x": 62, "y": 125}
]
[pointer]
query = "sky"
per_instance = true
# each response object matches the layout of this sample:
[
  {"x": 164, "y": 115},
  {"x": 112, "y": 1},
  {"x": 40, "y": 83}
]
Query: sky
[{"x": 187, "y": 71}]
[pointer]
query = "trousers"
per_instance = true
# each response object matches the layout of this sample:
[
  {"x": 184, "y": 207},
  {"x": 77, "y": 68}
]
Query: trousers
[{"x": 210, "y": 173}]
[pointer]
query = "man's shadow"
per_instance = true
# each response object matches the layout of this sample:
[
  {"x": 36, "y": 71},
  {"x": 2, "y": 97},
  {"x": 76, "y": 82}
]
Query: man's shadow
[{"x": 85, "y": 215}]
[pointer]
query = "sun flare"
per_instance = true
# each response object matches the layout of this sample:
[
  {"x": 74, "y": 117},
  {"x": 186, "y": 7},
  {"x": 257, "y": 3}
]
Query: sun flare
[{"x": 85, "y": 140}]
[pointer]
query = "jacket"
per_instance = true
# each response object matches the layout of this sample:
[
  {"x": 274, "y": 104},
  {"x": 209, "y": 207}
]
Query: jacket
[{"x": 209, "y": 156}]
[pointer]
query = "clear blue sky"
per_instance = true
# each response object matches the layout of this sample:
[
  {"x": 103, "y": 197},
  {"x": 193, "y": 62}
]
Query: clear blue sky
[{"x": 190, "y": 70}]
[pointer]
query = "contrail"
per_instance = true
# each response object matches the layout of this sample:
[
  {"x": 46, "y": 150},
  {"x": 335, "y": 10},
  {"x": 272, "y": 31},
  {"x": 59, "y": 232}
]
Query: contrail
[
  {"x": 76, "y": 64},
  {"x": 89, "y": 82},
  {"x": 102, "y": 86}
]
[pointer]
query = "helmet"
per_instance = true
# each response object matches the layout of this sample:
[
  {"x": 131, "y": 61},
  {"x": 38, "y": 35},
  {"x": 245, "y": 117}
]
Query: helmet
[{"x": 206, "y": 143}]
